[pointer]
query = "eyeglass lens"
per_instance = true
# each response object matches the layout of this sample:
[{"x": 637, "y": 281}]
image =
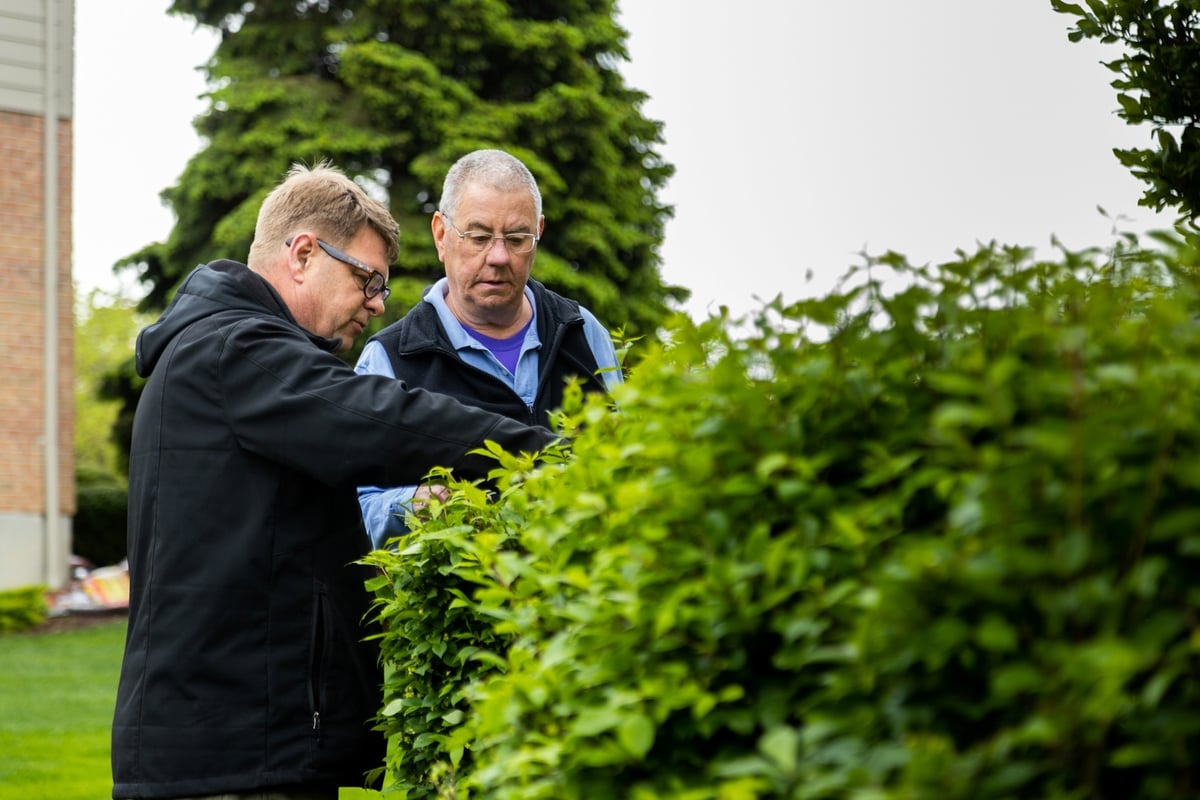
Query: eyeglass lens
[{"x": 518, "y": 244}]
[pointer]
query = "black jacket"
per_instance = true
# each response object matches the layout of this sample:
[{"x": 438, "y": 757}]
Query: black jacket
[
  {"x": 421, "y": 355},
  {"x": 245, "y": 665}
]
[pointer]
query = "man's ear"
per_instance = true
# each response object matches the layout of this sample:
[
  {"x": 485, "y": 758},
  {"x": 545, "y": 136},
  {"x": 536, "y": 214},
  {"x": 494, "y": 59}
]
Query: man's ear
[
  {"x": 438, "y": 225},
  {"x": 301, "y": 250}
]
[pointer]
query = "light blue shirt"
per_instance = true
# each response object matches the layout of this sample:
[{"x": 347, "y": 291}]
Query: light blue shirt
[{"x": 384, "y": 509}]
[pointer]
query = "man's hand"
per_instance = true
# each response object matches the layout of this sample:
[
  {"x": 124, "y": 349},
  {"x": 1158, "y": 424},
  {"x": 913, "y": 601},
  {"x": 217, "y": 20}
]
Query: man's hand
[{"x": 420, "y": 499}]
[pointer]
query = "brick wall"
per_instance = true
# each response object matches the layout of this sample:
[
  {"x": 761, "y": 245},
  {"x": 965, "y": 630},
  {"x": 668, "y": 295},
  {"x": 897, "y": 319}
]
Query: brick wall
[{"x": 22, "y": 321}]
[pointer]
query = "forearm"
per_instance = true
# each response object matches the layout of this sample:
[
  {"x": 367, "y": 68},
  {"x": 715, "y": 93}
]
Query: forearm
[{"x": 384, "y": 510}]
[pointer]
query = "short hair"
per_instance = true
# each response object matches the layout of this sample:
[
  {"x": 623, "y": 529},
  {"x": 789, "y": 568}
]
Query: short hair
[
  {"x": 323, "y": 198},
  {"x": 495, "y": 169}
]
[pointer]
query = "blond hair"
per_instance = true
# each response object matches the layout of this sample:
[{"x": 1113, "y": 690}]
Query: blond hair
[{"x": 322, "y": 198}]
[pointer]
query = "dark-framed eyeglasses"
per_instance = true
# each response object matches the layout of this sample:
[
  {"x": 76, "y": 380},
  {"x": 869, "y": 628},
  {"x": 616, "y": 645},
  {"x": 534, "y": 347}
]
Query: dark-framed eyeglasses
[
  {"x": 518, "y": 244},
  {"x": 375, "y": 284}
]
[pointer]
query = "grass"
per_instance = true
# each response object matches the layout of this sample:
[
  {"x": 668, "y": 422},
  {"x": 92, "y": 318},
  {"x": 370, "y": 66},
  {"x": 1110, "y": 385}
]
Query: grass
[{"x": 57, "y": 692}]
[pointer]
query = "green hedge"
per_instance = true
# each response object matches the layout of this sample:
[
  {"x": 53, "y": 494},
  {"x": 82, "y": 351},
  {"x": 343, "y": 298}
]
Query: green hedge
[
  {"x": 22, "y": 609},
  {"x": 98, "y": 532},
  {"x": 929, "y": 536}
]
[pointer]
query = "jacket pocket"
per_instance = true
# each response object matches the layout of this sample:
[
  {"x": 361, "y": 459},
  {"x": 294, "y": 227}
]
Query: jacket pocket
[{"x": 318, "y": 658}]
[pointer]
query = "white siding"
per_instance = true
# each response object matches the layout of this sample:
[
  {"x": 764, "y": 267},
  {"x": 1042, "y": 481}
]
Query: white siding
[{"x": 23, "y": 54}]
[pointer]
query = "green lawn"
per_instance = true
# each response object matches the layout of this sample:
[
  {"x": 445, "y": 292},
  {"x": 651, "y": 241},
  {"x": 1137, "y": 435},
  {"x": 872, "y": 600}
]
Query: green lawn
[{"x": 56, "y": 701}]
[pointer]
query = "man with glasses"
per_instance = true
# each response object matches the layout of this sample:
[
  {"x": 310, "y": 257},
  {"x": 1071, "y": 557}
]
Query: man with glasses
[
  {"x": 245, "y": 670},
  {"x": 486, "y": 334}
]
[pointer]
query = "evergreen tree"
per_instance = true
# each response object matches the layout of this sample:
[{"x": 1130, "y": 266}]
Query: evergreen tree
[
  {"x": 393, "y": 92},
  {"x": 1158, "y": 83}
]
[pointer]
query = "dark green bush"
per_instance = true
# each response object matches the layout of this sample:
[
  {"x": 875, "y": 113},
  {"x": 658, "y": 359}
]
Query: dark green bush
[
  {"x": 101, "y": 512},
  {"x": 24, "y": 608},
  {"x": 928, "y": 537}
]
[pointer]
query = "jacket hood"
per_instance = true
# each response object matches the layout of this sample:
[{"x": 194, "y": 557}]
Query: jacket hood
[{"x": 211, "y": 289}]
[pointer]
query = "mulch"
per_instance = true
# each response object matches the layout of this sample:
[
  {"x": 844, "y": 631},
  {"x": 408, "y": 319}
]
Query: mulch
[{"x": 77, "y": 620}]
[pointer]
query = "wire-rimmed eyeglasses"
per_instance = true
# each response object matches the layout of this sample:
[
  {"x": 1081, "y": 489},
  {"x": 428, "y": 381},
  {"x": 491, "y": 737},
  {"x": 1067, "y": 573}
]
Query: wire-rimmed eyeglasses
[
  {"x": 375, "y": 284},
  {"x": 518, "y": 244}
]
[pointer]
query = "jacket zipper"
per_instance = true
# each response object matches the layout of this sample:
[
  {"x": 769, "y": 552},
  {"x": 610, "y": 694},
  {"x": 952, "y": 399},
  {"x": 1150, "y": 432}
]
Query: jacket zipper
[{"x": 316, "y": 667}]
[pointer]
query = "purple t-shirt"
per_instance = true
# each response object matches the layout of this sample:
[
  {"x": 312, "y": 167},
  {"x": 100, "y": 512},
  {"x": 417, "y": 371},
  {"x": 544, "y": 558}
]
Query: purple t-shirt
[{"x": 507, "y": 350}]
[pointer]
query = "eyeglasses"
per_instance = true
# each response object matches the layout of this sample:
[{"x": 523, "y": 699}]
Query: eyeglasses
[
  {"x": 518, "y": 244},
  {"x": 375, "y": 284}
]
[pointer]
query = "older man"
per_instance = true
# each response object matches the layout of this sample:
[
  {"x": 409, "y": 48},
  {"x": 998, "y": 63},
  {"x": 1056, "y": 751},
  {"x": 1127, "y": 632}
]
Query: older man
[
  {"x": 486, "y": 334},
  {"x": 245, "y": 671}
]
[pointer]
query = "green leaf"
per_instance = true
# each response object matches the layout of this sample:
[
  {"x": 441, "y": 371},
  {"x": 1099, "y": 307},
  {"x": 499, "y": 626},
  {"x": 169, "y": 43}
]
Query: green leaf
[
  {"x": 593, "y": 721},
  {"x": 636, "y": 735},
  {"x": 781, "y": 745},
  {"x": 996, "y": 634}
]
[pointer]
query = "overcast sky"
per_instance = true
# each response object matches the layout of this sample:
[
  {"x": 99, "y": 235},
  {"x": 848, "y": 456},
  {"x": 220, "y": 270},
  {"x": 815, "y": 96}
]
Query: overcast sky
[{"x": 802, "y": 133}]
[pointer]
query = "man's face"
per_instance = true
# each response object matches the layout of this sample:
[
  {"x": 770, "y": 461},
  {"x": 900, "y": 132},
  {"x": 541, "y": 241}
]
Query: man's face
[
  {"x": 486, "y": 288},
  {"x": 335, "y": 305}
]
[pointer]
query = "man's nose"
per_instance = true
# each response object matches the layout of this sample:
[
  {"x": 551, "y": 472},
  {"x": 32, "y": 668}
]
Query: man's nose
[{"x": 498, "y": 252}]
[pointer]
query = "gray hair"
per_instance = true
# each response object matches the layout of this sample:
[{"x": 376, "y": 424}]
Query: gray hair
[{"x": 495, "y": 169}]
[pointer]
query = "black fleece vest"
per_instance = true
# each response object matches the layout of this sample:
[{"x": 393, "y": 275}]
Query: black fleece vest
[{"x": 422, "y": 356}]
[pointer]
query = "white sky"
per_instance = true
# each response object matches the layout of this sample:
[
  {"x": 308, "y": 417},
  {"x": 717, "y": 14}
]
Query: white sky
[{"x": 802, "y": 133}]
